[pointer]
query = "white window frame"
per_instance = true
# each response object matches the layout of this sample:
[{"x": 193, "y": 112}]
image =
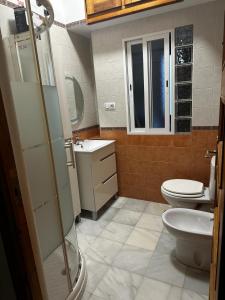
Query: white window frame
[{"x": 169, "y": 91}]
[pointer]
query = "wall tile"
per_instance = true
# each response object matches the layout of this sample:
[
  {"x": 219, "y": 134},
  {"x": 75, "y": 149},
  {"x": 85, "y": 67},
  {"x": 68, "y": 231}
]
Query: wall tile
[{"x": 143, "y": 165}]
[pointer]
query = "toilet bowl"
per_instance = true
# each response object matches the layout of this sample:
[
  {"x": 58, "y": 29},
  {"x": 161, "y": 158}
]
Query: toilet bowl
[
  {"x": 193, "y": 231},
  {"x": 189, "y": 193}
]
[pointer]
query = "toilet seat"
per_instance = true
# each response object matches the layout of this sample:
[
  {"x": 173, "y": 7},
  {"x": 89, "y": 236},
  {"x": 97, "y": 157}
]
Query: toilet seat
[{"x": 184, "y": 188}]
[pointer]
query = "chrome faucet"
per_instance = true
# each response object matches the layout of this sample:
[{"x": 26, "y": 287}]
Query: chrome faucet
[{"x": 79, "y": 141}]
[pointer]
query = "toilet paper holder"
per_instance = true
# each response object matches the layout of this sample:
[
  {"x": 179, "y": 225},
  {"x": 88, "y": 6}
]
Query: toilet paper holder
[{"x": 210, "y": 153}]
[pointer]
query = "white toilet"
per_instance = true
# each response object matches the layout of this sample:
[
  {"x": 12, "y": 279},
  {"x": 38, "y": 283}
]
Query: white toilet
[
  {"x": 189, "y": 193},
  {"x": 193, "y": 232}
]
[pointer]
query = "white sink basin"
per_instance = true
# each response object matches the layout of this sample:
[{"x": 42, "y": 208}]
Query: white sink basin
[{"x": 91, "y": 145}]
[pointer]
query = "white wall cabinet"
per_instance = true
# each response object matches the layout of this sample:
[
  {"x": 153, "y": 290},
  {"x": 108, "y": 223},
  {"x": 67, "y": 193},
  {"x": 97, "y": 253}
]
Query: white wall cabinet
[{"x": 97, "y": 177}]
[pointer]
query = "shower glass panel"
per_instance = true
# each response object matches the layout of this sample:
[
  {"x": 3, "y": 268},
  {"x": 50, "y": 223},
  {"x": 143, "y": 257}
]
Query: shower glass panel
[
  {"x": 36, "y": 105},
  {"x": 138, "y": 85},
  {"x": 157, "y": 77},
  {"x": 62, "y": 151},
  {"x": 36, "y": 153}
]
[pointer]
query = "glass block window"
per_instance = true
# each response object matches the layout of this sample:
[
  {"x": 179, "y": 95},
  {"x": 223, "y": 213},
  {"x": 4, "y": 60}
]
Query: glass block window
[
  {"x": 183, "y": 125},
  {"x": 184, "y": 73},
  {"x": 184, "y": 108},
  {"x": 183, "y": 78},
  {"x": 183, "y": 91},
  {"x": 184, "y": 35},
  {"x": 183, "y": 55}
]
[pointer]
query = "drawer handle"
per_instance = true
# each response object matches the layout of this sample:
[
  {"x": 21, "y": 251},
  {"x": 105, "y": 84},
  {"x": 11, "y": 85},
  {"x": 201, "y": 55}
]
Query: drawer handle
[
  {"x": 107, "y": 156},
  {"x": 108, "y": 178}
]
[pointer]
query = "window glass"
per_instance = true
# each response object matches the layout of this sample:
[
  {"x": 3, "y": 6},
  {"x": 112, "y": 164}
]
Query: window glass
[
  {"x": 157, "y": 71},
  {"x": 138, "y": 85}
]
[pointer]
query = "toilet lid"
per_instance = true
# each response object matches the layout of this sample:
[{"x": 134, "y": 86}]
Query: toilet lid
[{"x": 184, "y": 187}]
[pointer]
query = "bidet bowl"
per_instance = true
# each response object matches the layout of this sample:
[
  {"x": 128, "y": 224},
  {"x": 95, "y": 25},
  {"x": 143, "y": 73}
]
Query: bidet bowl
[{"x": 193, "y": 232}]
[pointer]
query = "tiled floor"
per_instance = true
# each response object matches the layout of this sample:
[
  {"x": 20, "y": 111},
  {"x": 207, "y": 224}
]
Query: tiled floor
[{"x": 130, "y": 256}]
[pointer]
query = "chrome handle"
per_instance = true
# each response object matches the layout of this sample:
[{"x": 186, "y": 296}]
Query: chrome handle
[
  {"x": 210, "y": 153},
  {"x": 69, "y": 145}
]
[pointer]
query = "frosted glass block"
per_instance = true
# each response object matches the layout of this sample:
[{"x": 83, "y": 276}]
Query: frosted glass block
[
  {"x": 53, "y": 111},
  {"x": 48, "y": 227},
  {"x": 39, "y": 175},
  {"x": 183, "y": 125},
  {"x": 54, "y": 271},
  {"x": 184, "y": 35},
  {"x": 66, "y": 207},
  {"x": 29, "y": 113},
  {"x": 60, "y": 159}
]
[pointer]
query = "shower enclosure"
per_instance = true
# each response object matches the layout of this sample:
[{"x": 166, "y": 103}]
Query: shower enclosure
[{"x": 43, "y": 156}]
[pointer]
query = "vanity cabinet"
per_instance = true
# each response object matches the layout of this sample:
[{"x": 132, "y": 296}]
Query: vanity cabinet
[{"x": 97, "y": 177}]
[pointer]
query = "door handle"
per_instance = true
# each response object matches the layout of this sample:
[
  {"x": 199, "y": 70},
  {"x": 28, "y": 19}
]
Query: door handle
[{"x": 69, "y": 145}]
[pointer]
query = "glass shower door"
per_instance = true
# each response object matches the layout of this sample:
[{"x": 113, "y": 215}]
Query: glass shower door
[
  {"x": 62, "y": 150},
  {"x": 43, "y": 149}
]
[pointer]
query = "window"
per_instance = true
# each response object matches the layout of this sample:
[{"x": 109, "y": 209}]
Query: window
[{"x": 149, "y": 84}]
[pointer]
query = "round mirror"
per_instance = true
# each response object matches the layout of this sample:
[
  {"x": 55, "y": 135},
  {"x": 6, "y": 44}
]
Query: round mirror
[{"x": 75, "y": 101}]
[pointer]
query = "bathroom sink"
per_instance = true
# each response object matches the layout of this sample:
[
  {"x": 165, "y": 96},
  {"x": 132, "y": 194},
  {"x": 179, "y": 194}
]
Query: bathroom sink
[{"x": 91, "y": 145}]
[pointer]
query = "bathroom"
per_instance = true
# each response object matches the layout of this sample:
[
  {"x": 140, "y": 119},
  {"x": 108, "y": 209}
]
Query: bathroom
[{"x": 115, "y": 125}]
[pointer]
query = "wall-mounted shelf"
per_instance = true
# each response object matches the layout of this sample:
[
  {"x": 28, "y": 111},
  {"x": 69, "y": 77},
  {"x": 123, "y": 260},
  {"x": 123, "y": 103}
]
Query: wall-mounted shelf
[{"x": 103, "y": 10}]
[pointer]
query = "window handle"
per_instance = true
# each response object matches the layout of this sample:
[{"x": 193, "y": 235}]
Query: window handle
[
  {"x": 130, "y": 87},
  {"x": 167, "y": 83}
]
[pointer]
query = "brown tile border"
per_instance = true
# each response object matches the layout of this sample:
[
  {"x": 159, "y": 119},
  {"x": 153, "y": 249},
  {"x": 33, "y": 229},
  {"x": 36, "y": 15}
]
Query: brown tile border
[
  {"x": 204, "y": 127},
  {"x": 113, "y": 128},
  {"x": 193, "y": 128},
  {"x": 76, "y": 23},
  {"x": 86, "y": 128},
  {"x": 10, "y": 4},
  {"x": 59, "y": 24}
]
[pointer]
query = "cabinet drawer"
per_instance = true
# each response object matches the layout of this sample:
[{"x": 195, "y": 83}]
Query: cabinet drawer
[
  {"x": 103, "y": 152},
  {"x": 103, "y": 169},
  {"x": 104, "y": 191}
]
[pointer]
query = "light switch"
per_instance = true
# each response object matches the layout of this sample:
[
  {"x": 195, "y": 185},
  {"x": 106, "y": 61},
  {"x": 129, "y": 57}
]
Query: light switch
[{"x": 110, "y": 105}]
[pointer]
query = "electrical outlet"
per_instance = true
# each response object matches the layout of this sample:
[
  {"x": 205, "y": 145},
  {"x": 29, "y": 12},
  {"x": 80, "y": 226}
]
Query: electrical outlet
[{"x": 110, "y": 105}]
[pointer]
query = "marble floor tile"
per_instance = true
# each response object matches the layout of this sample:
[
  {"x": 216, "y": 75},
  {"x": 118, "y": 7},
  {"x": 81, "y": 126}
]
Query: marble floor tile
[
  {"x": 191, "y": 295},
  {"x": 156, "y": 208},
  {"x": 151, "y": 289},
  {"x": 135, "y": 205},
  {"x": 166, "y": 244},
  {"x": 91, "y": 227},
  {"x": 197, "y": 280},
  {"x": 128, "y": 217},
  {"x": 103, "y": 250},
  {"x": 84, "y": 240},
  {"x": 166, "y": 268},
  {"x": 95, "y": 272},
  {"x": 118, "y": 284},
  {"x": 119, "y": 203},
  {"x": 150, "y": 222},
  {"x": 133, "y": 259},
  {"x": 143, "y": 238},
  {"x": 109, "y": 214},
  {"x": 116, "y": 232}
]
